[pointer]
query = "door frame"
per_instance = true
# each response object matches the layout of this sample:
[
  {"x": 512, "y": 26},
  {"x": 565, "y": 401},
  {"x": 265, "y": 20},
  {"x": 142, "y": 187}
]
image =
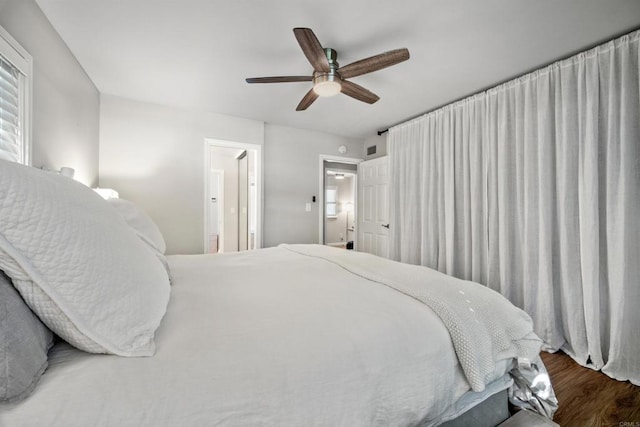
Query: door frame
[
  {"x": 338, "y": 159},
  {"x": 213, "y": 142}
]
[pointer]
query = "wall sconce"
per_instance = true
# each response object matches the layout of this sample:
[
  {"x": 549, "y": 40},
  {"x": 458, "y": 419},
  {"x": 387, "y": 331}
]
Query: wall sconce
[
  {"x": 107, "y": 193},
  {"x": 67, "y": 171},
  {"x": 64, "y": 171}
]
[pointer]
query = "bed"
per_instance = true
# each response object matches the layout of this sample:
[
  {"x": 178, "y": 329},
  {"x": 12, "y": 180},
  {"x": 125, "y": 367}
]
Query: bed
[{"x": 285, "y": 336}]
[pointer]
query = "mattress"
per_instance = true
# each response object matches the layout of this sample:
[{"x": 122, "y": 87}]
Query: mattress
[{"x": 269, "y": 338}]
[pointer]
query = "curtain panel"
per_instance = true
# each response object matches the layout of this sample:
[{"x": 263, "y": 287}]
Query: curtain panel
[{"x": 533, "y": 189}]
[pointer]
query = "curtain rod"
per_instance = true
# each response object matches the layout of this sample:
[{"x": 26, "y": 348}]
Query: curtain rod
[{"x": 494, "y": 85}]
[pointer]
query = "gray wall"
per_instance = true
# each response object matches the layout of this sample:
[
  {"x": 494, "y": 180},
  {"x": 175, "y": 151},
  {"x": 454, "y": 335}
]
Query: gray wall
[
  {"x": 380, "y": 141},
  {"x": 155, "y": 156},
  {"x": 66, "y": 103},
  {"x": 291, "y": 179}
]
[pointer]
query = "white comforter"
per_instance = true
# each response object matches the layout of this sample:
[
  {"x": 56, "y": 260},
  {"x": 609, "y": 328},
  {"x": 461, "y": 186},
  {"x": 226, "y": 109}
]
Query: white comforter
[
  {"x": 483, "y": 325},
  {"x": 269, "y": 338}
]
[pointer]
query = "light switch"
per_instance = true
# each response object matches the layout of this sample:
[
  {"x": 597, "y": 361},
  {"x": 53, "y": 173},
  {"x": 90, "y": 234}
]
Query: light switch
[
  {"x": 233, "y": 210},
  {"x": 307, "y": 207}
]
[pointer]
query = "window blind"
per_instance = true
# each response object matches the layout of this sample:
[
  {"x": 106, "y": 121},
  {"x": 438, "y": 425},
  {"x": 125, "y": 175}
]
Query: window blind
[{"x": 10, "y": 117}]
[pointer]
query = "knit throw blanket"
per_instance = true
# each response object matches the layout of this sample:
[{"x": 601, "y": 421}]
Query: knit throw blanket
[{"x": 484, "y": 326}]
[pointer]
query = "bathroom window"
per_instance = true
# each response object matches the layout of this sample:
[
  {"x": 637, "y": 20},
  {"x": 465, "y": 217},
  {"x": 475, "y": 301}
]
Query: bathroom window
[
  {"x": 331, "y": 202},
  {"x": 15, "y": 100}
]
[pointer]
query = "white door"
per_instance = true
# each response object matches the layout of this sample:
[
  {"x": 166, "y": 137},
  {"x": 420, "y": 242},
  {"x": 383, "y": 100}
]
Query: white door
[{"x": 373, "y": 206}]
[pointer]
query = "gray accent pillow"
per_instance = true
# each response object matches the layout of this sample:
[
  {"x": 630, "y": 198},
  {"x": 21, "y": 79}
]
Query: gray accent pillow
[{"x": 24, "y": 342}]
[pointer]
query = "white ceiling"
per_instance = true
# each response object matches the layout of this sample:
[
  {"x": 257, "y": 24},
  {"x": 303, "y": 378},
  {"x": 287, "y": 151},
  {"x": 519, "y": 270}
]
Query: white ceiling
[{"x": 195, "y": 54}]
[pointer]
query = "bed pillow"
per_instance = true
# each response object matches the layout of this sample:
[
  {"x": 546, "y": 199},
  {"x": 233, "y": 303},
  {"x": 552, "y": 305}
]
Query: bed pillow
[
  {"x": 24, "y": 342},
  {"x": 140, "y": 222},
  {"x": 77, "y": 263}
]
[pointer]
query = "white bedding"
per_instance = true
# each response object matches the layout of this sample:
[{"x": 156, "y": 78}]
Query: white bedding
[
  {"x": 483, "y": 325},
  {"x": 270, "y": 338}
]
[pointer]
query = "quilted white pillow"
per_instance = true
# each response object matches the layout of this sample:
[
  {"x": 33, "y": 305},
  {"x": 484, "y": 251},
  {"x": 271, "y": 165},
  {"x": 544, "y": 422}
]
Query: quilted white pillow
[
  {"x": 141, "y": 223},
  {"x": 78, "y": 265}
]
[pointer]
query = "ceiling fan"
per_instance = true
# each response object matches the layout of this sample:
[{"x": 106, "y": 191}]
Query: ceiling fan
[{"x": 328, "y": 77}]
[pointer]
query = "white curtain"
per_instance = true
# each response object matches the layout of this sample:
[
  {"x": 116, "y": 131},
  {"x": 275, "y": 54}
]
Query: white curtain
[{"x": 533, "y": 189}]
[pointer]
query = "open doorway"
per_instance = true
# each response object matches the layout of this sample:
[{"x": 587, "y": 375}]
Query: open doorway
[
  {"x": 338, "y": 202},
  {"x": 232, "y": 196}
]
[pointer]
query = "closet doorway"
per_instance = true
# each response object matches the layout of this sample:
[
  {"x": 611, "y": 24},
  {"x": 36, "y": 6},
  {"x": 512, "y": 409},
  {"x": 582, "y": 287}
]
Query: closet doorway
[
  {"x": 338, "y": 202},
  {"x": 232, "y": 196}
]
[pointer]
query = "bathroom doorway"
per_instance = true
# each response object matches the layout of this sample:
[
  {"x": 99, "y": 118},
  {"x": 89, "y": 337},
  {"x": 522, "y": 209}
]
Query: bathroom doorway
[
  {"x": 338, "y": 203},
  {"x": 232, "y": 196}
]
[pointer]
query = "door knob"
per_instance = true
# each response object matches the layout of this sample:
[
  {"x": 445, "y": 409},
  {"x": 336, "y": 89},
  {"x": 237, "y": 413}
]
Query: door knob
[{"x": 385, "y": 225}]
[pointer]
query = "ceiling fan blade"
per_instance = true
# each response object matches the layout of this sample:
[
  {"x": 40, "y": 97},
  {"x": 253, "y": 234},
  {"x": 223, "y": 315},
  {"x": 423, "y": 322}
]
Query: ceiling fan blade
[
  {"x": 282, "y": 79},
  {"x": 307, "y": 100},
  {"x": 374, "y": 63},
  {"x": 358, "y": 92},
  {"x": 312, "y": 49}
]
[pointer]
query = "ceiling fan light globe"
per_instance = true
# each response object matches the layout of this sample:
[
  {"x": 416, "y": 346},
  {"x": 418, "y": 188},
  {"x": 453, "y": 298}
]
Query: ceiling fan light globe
[
  {"x": 328, "y": 88},
  {"x": 325, "y": 85}
]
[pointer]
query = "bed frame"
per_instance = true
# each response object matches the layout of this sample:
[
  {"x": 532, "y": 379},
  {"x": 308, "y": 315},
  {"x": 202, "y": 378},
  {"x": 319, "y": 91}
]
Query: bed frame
[{"x": 489, "y": 413}]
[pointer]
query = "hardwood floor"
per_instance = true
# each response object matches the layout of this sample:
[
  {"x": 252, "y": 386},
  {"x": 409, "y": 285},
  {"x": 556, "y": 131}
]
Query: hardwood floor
[{"x": 590, "y": 398}]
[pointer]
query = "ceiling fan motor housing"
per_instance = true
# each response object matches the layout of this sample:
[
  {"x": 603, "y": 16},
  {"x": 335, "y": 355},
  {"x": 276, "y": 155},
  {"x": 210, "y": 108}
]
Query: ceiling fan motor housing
[{"x": 328, "y": 84}]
